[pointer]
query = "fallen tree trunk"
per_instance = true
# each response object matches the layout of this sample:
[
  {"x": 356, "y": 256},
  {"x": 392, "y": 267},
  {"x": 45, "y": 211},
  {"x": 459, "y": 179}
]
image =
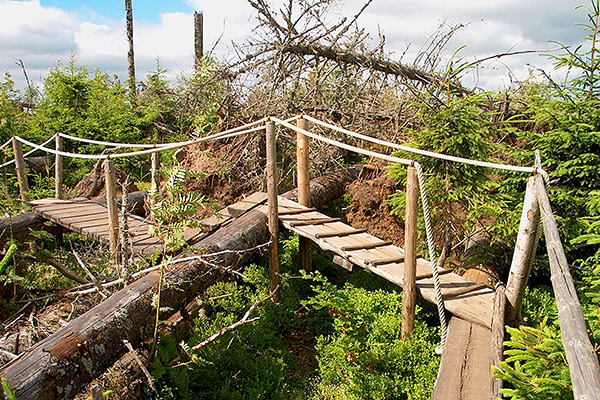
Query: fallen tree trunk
[
  {"x": 59, "y": 366},
  {"x": 18, "y": 227}
]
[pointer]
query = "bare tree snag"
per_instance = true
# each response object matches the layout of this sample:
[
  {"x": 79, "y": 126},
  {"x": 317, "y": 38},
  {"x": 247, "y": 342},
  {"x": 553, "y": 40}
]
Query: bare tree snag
[
  {"x": 60, "y": 365},
  {"x": 198, "y": 40},
  {"x": 130, "y": 56}
]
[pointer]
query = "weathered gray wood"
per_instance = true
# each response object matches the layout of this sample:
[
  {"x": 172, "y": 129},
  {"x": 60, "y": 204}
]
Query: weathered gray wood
[
  {"x": 130, "y": 52},
  {"x": 317, "y": 221},
  {"x": 340, "y": 233},
  {"x": 497, "y": 347},
  {"x": 272, "y": 217},
  {"x": 465, "y": 369},
  {"x": 58, "y": 366},
  {"x": 58, "y": 169},
  {"x": 198, "y": 40},
  {"x": 20, "y": 167},
  {"x": 303, "y": 168},
  {"x": 581, "y": 357},
  {"x": 113, "y": 213},
  {"x": 409, "y": 295},
  {"x": 523, "y": 255}
]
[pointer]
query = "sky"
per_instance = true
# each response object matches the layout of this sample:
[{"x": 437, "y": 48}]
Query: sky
[{"x": 42, "y": 32}]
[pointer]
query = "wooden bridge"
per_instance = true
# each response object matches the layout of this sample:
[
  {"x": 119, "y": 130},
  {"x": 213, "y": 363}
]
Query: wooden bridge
[{"x": 474, "y": 337}]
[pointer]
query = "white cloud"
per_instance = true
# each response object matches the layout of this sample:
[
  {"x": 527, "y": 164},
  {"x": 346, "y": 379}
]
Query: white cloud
[{"x": 42, "y": 35}]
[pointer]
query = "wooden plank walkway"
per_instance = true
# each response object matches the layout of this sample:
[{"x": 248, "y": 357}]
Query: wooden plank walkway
[
  {"x": 469, "y": 301},
  {"x": 90, "y": 218},
  {"x": 466, "y": 368}
]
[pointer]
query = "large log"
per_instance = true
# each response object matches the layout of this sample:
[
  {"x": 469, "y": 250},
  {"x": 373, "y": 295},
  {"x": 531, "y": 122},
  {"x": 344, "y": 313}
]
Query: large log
[{"x": 59, "y": 366}]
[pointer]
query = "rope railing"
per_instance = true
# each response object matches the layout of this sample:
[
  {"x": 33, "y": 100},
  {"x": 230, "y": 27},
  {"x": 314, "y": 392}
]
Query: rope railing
[
  {"x": 442, "y": 156},
  {"x": 26, "y": 154}
]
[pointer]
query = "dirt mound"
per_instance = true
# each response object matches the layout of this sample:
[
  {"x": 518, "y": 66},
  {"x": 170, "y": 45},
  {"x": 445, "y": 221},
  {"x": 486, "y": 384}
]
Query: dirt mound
[
  {"x": 92, "y": 184},
  {"x": 369, "y": 208}
]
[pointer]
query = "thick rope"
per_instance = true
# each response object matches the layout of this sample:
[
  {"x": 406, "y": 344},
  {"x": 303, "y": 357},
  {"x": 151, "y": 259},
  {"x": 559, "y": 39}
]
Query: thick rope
[
  {"x": 342, "y": 145},
  {"x": 439, "y": 300},
  {"x": 26, "y": 154},
  {"x": 427, "y": 153},
  {"x": 9, "y": 141}
]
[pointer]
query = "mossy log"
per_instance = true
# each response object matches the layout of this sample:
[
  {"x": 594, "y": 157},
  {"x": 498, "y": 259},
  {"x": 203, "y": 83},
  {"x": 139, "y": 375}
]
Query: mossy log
[{"x": 60, "y": 365}]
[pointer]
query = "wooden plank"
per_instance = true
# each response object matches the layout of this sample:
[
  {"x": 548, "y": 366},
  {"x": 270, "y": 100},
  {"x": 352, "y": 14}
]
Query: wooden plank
[
  {"x": 241, "y": 207},
  {"x": 427, "y": 275},
  {"x": 465, "y": 369},
  {"x": 581, "y": 357},
  {"x": 366, "y": 246},
  {"x": 389, "y": 260},
  {"x": 296, "y": 211},
  {"x": 343, "y": 262},
  {"x": 463, "y": 290},
  {"x": 316, "y": 221},
  {"x": 340, "y": 233}
]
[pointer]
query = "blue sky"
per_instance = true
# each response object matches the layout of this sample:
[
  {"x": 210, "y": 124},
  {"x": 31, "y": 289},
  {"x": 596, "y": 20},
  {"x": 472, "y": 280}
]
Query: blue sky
[
  {"x": 144, "y": 10},
  {"x": 42, "y": 32}
]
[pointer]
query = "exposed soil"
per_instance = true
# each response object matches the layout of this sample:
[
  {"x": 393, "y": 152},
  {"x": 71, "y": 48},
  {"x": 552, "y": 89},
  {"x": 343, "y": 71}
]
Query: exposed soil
[{"x": 369, "y": 209}]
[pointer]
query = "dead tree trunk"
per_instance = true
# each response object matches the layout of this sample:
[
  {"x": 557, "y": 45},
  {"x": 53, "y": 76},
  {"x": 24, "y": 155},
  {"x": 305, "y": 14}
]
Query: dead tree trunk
[
  {"x": 130, "y": 57},
  {"x": 59, "y": 366},
  {"x": 198, "y": 40}
]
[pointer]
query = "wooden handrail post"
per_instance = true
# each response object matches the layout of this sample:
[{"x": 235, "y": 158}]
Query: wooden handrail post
[
  {"x": 524, "y": 251},
  {"x": 581, "y": 357},
  {"x": 20, "y": 167},
  {"x": 58, "y": 169},
  {"x": 409, "y": 296},
  {"x": 303, "y": 166},
  {"x": 154, "y": 167},
  {"x": 273, "y": 219},
  {"x": 497, "y": 348},
  {"x": 111, "y": 204}
]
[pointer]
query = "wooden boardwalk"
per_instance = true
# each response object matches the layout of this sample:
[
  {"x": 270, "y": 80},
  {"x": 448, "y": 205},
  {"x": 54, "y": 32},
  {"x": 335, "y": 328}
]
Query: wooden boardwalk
[
  {"x": 90, "y": 218},
  {"x": 469, "y": 301}
]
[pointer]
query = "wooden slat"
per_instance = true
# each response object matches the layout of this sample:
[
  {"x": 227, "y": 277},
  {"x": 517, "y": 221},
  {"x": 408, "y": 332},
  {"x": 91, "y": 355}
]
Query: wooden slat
[
  {"x": 389, "y": 260},
  {"x": 296, "y": 211},
  {"x": 428, "y": 275},
  {"x": 463, "y": 290},
  {"x": 366, "y": 246},
  {"x": 316, "y": 221},
  {"x": 241, "y": 207},
  {"x": 340, "y": 233}
]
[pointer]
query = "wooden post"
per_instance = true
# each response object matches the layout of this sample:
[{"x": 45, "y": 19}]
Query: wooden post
[
  {"x": 58, "y": 169},
  {"x": 273, "y": 219},
  {"x": 498, "y": 337},
  {"x": 111, "y": 204},
  {"x": 154, "y": 167},
  {"x": 20, "y": 167},
  {"x": 198, "y": 40},
  {"x": 96, "y": 393},
  {"x": 303, "y": 166},
  {"x": 409, "y": 296},
  {"x": 524, "y": 252},
  {"x": 581, "y": 357}
]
